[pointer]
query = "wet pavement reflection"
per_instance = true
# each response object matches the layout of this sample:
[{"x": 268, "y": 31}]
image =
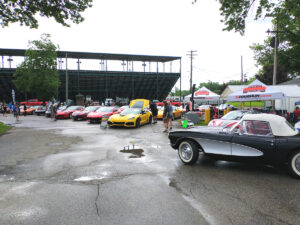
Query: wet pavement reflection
[{"x": 67, "y": 172}]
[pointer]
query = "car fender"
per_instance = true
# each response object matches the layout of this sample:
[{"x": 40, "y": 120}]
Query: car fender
[{"x": 179, "y": 140}]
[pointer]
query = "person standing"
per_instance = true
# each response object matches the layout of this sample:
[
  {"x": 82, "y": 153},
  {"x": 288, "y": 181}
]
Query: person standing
[
  {"x": 153, "y": 108},
  {"x": 55, "y": 106},
  {"x": 170, "y": 115},
  {"x": 25, "y": 109},
  {"x": 166, "y": 116},
  {"x": 296, "y": 114},
  {"x": 4, "y": 109},
  {"x": 17, "y": 111},
  {"x": 52, "y": 110}
]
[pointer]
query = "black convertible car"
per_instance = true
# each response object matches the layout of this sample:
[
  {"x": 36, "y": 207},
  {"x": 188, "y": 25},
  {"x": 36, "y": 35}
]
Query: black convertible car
[{"x": 259, "y": 137}]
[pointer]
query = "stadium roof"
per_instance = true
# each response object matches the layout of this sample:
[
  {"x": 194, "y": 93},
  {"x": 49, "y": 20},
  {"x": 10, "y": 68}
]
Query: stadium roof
[{"x": 94, "y": 55}]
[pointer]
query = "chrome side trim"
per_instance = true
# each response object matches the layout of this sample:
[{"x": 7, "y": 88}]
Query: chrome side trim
[
  {"x": 215, "y": 147},
  {"x": 242, "y": 150}
]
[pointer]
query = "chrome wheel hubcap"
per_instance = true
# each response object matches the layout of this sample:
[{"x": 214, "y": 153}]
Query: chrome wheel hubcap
[
  {"x": 297, "y": 163},
  {"x": 186, "y": 151}
]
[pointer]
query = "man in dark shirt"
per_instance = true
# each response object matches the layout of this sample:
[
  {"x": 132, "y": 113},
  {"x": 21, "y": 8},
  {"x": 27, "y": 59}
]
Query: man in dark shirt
[
  {"x": 166, "y": 116},
  {"x": 25, "y": 110},
  {"x": 154, "y": 111}
]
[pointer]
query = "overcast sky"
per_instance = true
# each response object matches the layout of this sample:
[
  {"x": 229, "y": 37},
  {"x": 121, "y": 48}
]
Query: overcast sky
[{"x": 156, "y": 27}]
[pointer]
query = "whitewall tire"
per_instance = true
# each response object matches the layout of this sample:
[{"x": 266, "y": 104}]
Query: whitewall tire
[
  {"x": 294, "y": 164},
  {"x": 188, "y": 152}
]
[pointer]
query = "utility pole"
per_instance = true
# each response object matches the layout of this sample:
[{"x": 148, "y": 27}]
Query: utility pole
[
  {"x": 275, "y": 55},
  {"x": 274, "y": 42},
  {"x": 191, "y": 54}
]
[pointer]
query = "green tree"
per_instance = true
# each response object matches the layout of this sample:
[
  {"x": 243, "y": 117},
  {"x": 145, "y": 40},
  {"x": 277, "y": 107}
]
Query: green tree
[
  {"x": 183, "y": 92},
  {"x": 236, "y": 12},
  {"x": 287, "y": 20},
  {"x": 12, "y": 11},
  {"x": 213, "y": 86},
  {"x": 37, "y": 74}
]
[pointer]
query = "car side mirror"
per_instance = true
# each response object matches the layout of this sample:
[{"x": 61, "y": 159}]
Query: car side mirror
[{"x": 143, "y": 112}]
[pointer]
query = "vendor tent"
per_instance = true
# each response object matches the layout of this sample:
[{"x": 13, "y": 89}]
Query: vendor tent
[
  {"x": 255, "y": 91},
  {"x": 203, "y": 95},
  {"x": 292, "y": 95}
]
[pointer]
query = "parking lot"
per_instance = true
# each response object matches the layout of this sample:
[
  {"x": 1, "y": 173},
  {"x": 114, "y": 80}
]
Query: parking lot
[{"x": 67, "y": 172}]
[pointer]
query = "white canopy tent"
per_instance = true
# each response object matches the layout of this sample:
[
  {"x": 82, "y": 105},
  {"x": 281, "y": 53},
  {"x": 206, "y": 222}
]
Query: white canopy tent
[
  {"x": 292, "y": 95},
  {"x": 256, "y": 91},
  {"x": 203, "y": 95}
]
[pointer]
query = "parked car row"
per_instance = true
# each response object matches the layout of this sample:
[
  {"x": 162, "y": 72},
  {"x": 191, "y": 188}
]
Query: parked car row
[{"x": 133, "y": 115}]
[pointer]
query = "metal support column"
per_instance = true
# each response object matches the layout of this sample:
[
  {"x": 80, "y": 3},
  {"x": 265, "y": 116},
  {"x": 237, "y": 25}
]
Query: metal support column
[
  {"x": 157, "y": 80},
  {"x": 67, "y": 78},
  {"x": 180, "y": 81},
  {"x": 78, "y": 68}
]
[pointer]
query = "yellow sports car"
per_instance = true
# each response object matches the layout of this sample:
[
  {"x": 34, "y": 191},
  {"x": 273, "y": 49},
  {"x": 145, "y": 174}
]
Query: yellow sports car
[
  {"x": 131, "y": 117},
  {"x": 176, "y": 112},
  {"x": 139, "y": 103},
  {"x": 135, "y": 116}
]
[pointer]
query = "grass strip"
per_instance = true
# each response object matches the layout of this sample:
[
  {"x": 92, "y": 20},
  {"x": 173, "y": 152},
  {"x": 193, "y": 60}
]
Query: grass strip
[{"x": 3, "y": 128}]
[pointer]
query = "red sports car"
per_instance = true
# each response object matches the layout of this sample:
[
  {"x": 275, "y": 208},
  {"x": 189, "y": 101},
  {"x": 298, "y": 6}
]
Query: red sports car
[
  {"x": 96, "y": 117},
  {"x": 230, "y": 118},
  {"x": 67, "y": 113},
  {"x": 81, "y": 115}
]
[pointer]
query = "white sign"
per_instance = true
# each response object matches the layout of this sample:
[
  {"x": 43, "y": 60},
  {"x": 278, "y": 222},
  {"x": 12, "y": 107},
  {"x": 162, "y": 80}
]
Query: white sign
[{"x": 13, "y": 95}]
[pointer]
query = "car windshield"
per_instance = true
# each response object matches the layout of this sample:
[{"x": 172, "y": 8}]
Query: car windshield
[
  {"x": 73, "y": 107},
  {"x": 138, "y": 104},
  {"x": 234, "y": 115},
  {"x": 105, "y": 109},
  {"x": 130, "y": 111},
  {"x": 125, "y": 107},
  {"x": 91, "y": 108}
]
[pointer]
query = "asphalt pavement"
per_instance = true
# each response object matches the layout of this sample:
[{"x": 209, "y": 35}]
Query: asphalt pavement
[{"x": 65, "y": 172}]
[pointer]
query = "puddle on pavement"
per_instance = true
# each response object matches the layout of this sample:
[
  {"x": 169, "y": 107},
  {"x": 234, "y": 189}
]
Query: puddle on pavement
[
  {"x": 4, "y": 178},
  {"x": 135, "y": 153}
]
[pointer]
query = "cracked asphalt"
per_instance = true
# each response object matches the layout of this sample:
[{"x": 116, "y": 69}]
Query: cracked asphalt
[{"x": 67, "y": 172}]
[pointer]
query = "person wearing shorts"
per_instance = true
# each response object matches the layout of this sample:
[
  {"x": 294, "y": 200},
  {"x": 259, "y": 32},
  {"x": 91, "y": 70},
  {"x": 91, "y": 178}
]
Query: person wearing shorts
[
  {"x": 166, "y": 116},
  {"x": 170, "y": 115},
  {"x": 154, "y": 111}
]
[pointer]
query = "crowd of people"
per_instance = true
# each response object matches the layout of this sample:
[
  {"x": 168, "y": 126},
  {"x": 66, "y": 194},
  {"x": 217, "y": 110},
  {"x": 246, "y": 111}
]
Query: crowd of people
[{"x": 14, "y": 108}]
